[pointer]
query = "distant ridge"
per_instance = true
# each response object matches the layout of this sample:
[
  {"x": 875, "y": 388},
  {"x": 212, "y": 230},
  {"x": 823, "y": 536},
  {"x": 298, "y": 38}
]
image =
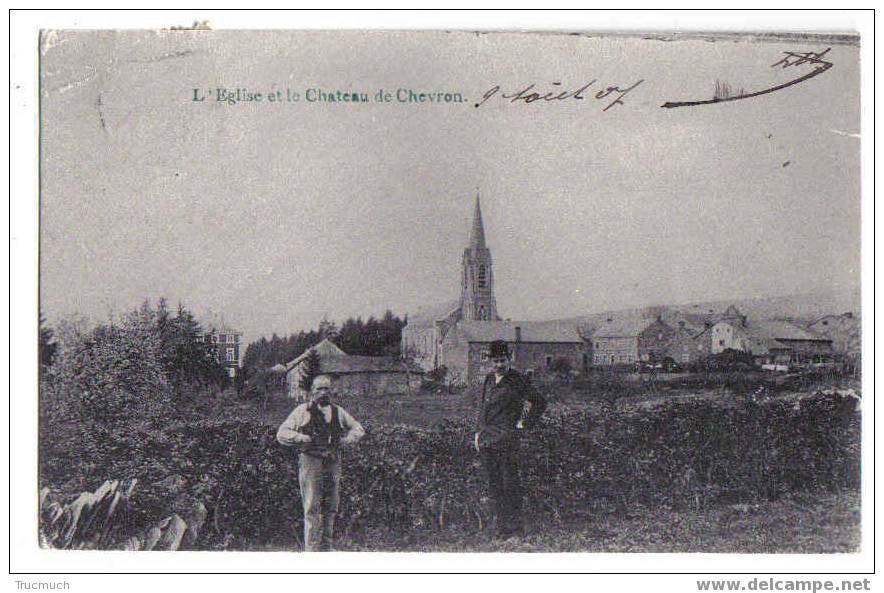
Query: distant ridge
[{"x": 801, "y": 309}]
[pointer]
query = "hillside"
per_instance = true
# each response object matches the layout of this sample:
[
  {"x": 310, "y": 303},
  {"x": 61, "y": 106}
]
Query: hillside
[{"x": 801, "y": 308}]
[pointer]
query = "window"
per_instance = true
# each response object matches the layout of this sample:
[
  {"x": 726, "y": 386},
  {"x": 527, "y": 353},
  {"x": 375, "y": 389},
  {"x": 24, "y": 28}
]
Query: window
[
  {"x": 482, "y": 314},
  {"x": 548, "y": 361},
  {"x": 231, "y": 355},
  {"x": 721, "y": 342},
  {"x": 482, "y": 276},
  {"x": 598, "y": 345},
  {"x": 231, "y": 339}
]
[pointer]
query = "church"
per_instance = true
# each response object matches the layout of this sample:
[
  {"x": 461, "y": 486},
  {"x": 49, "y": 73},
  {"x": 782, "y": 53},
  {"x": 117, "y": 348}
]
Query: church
[{"x": 457, "y": 335}]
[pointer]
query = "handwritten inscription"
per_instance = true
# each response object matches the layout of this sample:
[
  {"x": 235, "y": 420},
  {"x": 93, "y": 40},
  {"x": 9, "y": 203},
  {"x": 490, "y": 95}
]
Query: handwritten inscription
[
  {"x": 609, "y": 96},
  {"x": 790, "y": 60}
]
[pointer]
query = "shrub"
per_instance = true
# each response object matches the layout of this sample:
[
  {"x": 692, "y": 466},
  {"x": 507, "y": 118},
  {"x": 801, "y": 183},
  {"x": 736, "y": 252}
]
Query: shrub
[{"x": 415, "y": 482}]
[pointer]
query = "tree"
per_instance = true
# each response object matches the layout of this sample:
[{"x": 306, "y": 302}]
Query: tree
[
  {"x": 186, "y": 353},
  {"x": 48, "y": 346},
  {"x": 375, "y": 337},
  {"x": 310, "y": 370},
  {"x": 327, "y": 329}
]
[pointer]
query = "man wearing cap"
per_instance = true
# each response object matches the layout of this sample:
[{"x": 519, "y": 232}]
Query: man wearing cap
[
  {"x": 318, "y": 429},
  {"x": 501, "y": 418}
]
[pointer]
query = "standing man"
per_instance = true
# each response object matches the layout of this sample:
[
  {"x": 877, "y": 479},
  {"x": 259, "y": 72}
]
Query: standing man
[
  {"x": 319, "y": 428},
  {"x": 502, "y": 416}
]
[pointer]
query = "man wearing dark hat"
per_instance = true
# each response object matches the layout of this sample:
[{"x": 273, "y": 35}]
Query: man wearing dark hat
[{"x": 502, "y": 416}]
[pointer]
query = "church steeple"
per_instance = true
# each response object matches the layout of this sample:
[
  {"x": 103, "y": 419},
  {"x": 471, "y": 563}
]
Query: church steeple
[
  {"x": 477, "y": 302},
  {"x": 477, "y": 233}
]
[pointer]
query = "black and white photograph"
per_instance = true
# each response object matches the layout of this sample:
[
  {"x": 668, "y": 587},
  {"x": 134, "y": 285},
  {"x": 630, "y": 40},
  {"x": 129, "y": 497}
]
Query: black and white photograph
[{"x": 450, "y": 291}]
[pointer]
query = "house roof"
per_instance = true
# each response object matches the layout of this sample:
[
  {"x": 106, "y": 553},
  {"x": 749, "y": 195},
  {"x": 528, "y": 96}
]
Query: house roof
[
  {"x": 532, "y": 331},
  {"x": 325, "y": 348},
  {"x": 829, "y": 322},
  {"x": 364, "y": 364},
  {"x": 629, "y": 327},
  {"x": 333, "y": 360},
  {"x": 844, "y": 330},
  {"x": 782, "y": 330},
  {"x": 693, "y": 322}
]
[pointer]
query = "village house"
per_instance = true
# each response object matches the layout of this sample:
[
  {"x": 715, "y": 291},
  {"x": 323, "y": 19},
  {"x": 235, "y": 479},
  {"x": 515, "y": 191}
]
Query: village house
[
  {"x": 225, "y": 343},
  {"x": 845, "y": 332},
  {"x": 354, "y": 375},
  {"x": 538, "y": 348},
  {"x": 773, "y": 342},
  {"x": 626, "y": 341},
  {"x": 693, "y": 337},
  {"x": 689, "y": 345},
  {"x": 457, "y": 337}
]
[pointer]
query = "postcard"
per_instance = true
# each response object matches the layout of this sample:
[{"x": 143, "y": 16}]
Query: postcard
[{"x": 426, "y": 291}]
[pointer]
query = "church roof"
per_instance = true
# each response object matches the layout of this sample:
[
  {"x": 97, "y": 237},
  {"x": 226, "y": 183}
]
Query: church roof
[
  {"x": 427, "y": 315},
  {"x": 477, "y": 233},
  {"x": 532, "y": 331}
]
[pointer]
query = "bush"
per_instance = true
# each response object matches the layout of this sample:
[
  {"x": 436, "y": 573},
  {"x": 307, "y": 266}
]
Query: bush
[{"x": 414, "y": 483}]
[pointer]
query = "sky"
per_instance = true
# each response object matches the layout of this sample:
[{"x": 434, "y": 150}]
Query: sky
[{"x": 275, "y": 215}]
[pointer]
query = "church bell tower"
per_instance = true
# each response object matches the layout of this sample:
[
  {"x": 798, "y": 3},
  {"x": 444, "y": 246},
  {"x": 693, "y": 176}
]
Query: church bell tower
[{"x": 477, "y": 277}]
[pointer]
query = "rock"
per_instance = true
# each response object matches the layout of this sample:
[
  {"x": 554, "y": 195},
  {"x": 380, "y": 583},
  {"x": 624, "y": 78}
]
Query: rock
[
  {"x": 133, "y": 544},
  {"x": 173, "y": 534},
  {"x": 154, "y": 534},
  {"x": 195, "y": 520}
]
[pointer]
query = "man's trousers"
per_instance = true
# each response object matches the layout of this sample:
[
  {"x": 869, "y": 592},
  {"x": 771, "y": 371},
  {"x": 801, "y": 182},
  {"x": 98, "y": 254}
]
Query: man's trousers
[
  {"x": 505, "y": 485},
  {"x": 320, "y": 482}
]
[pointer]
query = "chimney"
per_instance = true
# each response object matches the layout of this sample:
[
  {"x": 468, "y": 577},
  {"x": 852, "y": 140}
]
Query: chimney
[{"x": 518, "y": 334}]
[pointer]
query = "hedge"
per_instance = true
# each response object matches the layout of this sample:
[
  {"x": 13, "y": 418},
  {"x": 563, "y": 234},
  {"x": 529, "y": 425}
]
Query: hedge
[{"x": 416, "y": 482}]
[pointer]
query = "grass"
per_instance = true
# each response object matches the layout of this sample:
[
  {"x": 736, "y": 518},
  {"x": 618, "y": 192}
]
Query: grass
[
  {"x": 427, "y": 409},
  {"x": 420, "y": 409},
  {"x": 808, "y": 524}
]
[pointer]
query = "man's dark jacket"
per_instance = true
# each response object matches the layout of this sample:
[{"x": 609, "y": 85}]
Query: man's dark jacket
[{"x": 501, "y": 406}]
